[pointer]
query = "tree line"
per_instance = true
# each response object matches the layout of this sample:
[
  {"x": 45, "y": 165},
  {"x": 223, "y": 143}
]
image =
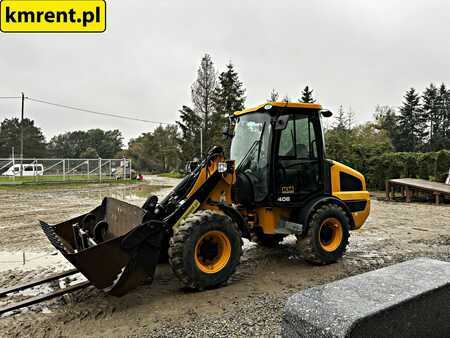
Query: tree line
[
  {"x": 420, "y": 125},
  {"x": 413, "y": 140},
  {"x": 201, "y": 122},
  {"x": 93, "y": 143}
]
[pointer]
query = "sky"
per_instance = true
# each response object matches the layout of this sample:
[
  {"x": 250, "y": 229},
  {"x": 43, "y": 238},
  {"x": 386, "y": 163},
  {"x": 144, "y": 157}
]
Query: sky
[{"x": 353, "y": 53}]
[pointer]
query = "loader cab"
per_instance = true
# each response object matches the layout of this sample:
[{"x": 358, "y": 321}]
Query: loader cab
[{"x": 279, "y": 152}]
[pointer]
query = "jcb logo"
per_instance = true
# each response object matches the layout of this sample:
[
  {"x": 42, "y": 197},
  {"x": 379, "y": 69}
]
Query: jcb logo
[{"x": 288, "y": 189}]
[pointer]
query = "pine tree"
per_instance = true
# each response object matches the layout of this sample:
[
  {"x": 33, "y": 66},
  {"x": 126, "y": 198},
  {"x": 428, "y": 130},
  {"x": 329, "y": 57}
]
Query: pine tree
[
  {"x": 340, "y": 137},
  {"x": 341, "y": 123},
  {"x": 431, "y": 114},
  {"x": 189, "y": 140},
  {"x": 442, "y": 132},
  {"x": 202, "y": 92},
  {"x": 274, "y": 96},
  {"x": 228, "y": 98},
  {"x": 411, "y": 123},
  {"x": 307, "y": 96}
]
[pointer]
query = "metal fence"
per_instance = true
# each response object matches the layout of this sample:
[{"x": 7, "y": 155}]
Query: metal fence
[{"x": 16, "y": 170}]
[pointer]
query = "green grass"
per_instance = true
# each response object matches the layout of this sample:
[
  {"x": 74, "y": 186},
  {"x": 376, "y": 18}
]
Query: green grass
[
  {"x": 45, "y": 182},
  {"x": 172, "y": 174}
]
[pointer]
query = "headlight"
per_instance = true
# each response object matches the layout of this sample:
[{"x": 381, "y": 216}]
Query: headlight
[{"x": 222, "y": 167}]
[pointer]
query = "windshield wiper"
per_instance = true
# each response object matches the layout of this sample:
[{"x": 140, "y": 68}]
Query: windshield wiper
[
  {"x": 254, "y": 144},
  {"x": 260, "y": 139}
]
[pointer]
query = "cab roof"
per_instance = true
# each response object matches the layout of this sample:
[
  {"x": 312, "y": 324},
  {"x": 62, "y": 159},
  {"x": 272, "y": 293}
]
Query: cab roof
[{"x": 314, "y": 106}]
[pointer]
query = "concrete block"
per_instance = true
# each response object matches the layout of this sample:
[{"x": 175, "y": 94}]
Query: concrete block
[{"x": 409, "y": 299}]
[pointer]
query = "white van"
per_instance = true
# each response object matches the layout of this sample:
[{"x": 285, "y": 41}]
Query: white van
[{"x": 28, "y": 170}]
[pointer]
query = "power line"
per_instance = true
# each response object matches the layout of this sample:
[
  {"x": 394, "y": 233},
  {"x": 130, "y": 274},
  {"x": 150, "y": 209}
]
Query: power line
[
  {"x": 94, "y": 112},
  {"x": 9, "y": 97}
]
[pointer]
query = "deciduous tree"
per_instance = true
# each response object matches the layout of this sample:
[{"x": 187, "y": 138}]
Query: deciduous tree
[
  {"x": 33, "y": 140},
  {"x": 74, "y": 144}
]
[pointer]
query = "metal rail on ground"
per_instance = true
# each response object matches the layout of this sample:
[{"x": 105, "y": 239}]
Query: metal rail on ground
[{"x": 40, "y": 298}]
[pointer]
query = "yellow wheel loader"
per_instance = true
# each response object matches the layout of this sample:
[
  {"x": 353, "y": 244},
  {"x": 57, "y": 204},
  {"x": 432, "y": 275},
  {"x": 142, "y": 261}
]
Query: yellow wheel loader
[{"x": 278, "y": 182}]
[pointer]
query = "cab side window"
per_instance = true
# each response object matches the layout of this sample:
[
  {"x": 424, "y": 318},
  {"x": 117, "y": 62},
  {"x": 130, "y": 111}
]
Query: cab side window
[
  {"x": 287, "y": 140},
  {"x": 298, "y": 140}
]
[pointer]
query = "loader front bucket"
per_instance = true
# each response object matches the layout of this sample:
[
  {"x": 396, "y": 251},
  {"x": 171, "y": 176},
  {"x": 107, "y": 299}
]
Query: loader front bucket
[{"x": 113, "y": 246}]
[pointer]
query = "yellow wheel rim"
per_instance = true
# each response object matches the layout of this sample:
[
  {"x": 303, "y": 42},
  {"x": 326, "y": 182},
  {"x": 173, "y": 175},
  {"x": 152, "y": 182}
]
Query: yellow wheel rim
[
  {"x": 330, "y": 234},
  {"x": 212, "y": 251}
]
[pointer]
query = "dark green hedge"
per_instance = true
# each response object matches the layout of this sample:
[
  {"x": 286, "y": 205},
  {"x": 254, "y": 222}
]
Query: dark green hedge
[{"x": 429, "y": 166}]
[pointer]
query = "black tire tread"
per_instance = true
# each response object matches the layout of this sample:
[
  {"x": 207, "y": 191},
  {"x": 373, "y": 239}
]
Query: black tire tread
[
  {"x": 306, "y": 245},
  {"x": 183, "y": 232}
]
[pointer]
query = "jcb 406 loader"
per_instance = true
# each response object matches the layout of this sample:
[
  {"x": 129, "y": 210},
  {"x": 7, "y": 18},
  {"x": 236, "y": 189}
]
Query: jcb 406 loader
[{"x": 278, "y": 182}]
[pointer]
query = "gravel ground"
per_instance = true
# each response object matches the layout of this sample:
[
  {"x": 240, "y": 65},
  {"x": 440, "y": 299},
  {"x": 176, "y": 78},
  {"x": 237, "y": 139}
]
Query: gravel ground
[{"x": 250, "y": 305}]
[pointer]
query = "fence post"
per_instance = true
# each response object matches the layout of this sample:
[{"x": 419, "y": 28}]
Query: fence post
[
  {"x": 13, "y": 163},
  {"x": 129, "y": 163},
  {"x": 124, "y": 168},
  {"x": 87, "y": 163},
  {"x": 100, "y": 169},
  {"x": 64, "y": 169},
  {"x": 34, "y": 170}
]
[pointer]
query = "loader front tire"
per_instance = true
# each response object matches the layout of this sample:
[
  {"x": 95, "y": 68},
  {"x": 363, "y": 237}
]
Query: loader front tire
[
  {"x": 205, "y": 250},
  {"x": 327, "y": 236}
]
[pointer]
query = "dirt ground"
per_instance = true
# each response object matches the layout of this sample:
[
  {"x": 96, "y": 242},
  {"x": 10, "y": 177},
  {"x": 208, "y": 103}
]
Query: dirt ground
[{"x": 251, "y": 304}]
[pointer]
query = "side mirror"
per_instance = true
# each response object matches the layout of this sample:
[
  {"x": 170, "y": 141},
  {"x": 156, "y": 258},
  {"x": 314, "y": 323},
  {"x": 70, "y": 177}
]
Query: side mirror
[
  {"x": 326, "y": 113},
  {"x": 281, "y": 122}
]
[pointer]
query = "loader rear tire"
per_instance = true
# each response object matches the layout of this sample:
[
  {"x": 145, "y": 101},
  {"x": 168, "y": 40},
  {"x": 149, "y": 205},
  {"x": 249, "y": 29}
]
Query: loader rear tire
[
  {"x": 327, "y": 237},
  {"x": 205, "y": 250}
]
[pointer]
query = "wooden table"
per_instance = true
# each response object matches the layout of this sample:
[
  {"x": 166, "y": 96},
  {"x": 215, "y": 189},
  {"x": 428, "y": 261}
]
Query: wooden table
[{"x": 410, "y": 185}]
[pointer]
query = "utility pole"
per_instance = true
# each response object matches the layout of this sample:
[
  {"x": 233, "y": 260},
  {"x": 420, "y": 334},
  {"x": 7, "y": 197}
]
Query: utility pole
[{"x": 21, "y": 136}]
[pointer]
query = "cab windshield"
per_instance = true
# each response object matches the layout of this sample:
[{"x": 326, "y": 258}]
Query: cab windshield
[{"x": 250, "y": 150}]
